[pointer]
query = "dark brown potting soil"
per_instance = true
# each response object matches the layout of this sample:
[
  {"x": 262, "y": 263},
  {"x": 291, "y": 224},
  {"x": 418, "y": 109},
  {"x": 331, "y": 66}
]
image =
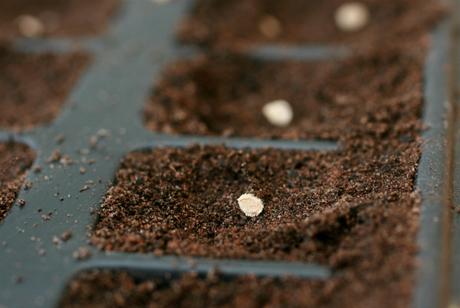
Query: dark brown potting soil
[
  {"x": 236, "y": 23},
  {"x": 184, "y": 202},
  {"x": 121, "y": 290},
  {"x": 34, "y": 87},
  {"x": 106, "y": 289},
  {"x": 354, "y": 210},
  {"x": 356, "y": 213},
  {"x": 59, "y": 17},
  {"x": 224, "y": 95},
  {"x": 15, "y": 160}
]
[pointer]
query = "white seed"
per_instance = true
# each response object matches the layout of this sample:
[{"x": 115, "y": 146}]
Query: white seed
[
  {"x": 30, "y": 26},
  {"x": 250, "y": 205},
  {"x": 352, "y": 16},
  {"x": 278, "y": 113},
  {"x": 270, "y": 27}
]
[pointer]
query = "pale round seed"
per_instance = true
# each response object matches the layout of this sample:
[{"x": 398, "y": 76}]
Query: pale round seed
[
  {"x": 351, "y": 16},
  {"x": 270, "y": 27},
  {"x": 30, "y": 26},
  {"x": 278, "y": 113},
  {"x": 250, "y": 205}
]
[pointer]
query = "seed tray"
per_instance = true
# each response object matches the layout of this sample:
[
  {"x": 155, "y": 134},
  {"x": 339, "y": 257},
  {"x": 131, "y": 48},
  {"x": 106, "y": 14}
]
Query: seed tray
[
  {"x": 454, "y": 228},
  {"x": 125, "y": 61}
]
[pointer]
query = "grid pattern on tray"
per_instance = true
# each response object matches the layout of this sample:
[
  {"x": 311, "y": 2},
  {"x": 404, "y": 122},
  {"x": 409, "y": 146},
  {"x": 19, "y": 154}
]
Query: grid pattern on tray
[{"x": 126, "y": 60}]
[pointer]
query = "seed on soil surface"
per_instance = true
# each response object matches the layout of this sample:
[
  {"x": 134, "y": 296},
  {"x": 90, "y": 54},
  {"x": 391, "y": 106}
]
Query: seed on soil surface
[
  {"x": 30, "y": 26},
  {"x": 270, "y": 27},
  {"x": 352, "y": 16},
  {"x": 250, "y": 205},
  {"x": 278, "y": 113}
]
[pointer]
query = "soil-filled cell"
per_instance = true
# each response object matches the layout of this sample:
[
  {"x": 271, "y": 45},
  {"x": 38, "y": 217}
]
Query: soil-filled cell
[{"x": 34, "y": 87}]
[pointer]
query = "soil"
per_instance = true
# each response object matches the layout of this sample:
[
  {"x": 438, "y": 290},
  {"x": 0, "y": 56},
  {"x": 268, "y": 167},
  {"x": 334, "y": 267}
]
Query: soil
[
  {"x": 106, "y": 289},
  {"x": 121, "y": 290},
  {"x": 34, "y": 87},
  {"x": 60, "y": 17},
  {"x": 15, "y": 160},
  {"x": 224, "y": 95},
  {"x": 354, "y": 210},
  {"x": 184, "y": 202},
  {"x": 233, "y": 24}
]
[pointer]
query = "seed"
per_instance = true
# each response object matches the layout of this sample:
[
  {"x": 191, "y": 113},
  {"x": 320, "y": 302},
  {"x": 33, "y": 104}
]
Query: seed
[
  {"x": 30, "y": 26},
  {"x": 270, "y": 27},
  {"x": 250, "y": 205},
  {"x": 352, "y": 16},
  {"x": 278, "y": 113}
]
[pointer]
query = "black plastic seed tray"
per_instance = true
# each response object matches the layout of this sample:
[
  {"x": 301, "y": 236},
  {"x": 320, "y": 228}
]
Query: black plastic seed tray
[
  {"x": 109, "y": 98},
  {"x": 453, "y": 234}
]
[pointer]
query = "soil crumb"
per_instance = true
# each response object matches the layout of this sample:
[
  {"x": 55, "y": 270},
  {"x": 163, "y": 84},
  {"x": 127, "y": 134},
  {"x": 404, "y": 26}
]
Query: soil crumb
[
  {"x": 15, "y": 160},
  {"x": 34, "y": 87}
]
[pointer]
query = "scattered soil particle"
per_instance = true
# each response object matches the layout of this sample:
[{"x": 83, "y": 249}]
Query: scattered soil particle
[
  {"x": 84, "y": 188},
  {"x": 66, "y": 235},
  {"x": 56, "y": 241},
  {"x": 19, "y": 279},
  {"x": 47, "y": 217},
  {"x": 34, "y": 87},
  {"x": 82, "y": 253},
  {"x": 15, "y": 160},
  {"x": 54, "y": 157},
  {"x": 37, "y": 169},
  {"x": 59, "y": 139},
  {"x": 225, "y": 95},
  {"x": 21, "y": 202},
  {"x": 239, "y": 24},
  {"x": 59, "y": 17}
]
